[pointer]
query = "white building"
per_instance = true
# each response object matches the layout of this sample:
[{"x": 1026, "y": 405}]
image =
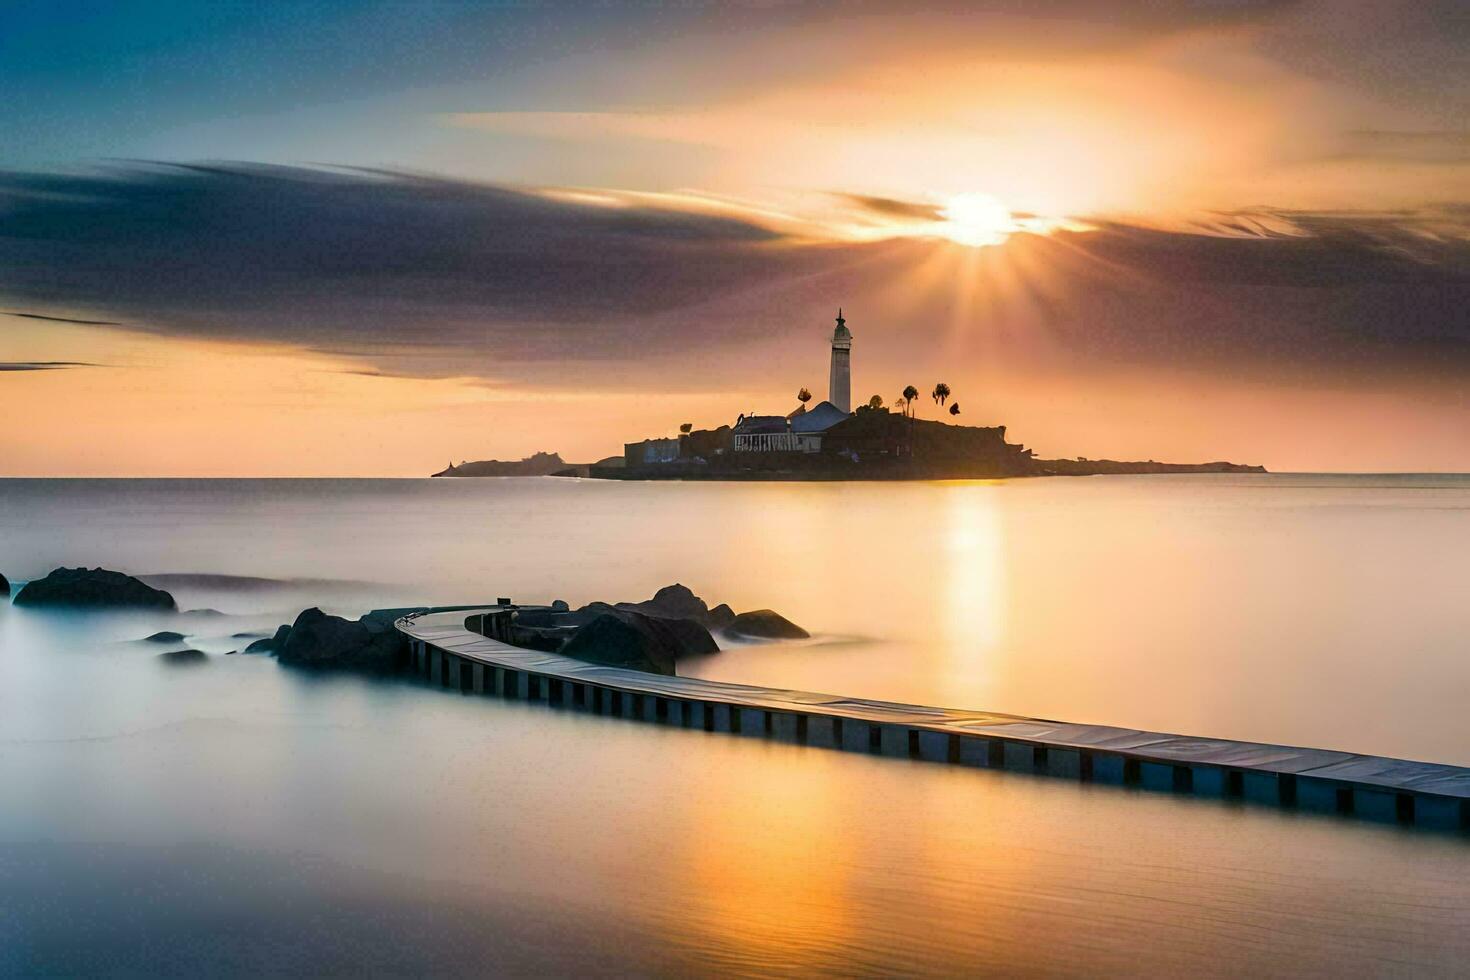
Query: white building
[
  {"x": 839, "y": 378},
  {"x": 802, "y": 430}
]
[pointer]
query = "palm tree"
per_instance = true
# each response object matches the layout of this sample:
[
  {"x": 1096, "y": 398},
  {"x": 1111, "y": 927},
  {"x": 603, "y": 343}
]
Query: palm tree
[
  {"x": 941, "y": 393},
  {"x": 686, "y": 428},
  {"x": 804, "y": 395},
  {"x": 909, "y": 394},
  {"x": 954, "y": 409}
]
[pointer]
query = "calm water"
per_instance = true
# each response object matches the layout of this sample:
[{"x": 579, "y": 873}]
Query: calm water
[{"x": 237, "y": 817}]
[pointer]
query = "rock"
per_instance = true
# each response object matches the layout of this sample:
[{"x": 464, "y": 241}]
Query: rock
[
  {"x": 670, "y": 602},
  {"x": 247, "y": 635},
  {"x": 387, "y": 617},
  {"x": 676, "y": 602},
  {"x": 766, "y": 624},
  {"x": 5, "y": 586},
  {"x": 632, "y": 640},
  {"x": 270, "y": 644},
  {"x": 184, "y": 658},
  {"x": 720, "y": 617},
  {"x": 164, "y": 636},
  {"x": 586, "y": 614},
  {"x": 322, "y": 641},
  {"x": 620, "y": 641},
  {"x": 96, "y": 588},
  {"x": 694, "y": 639}
]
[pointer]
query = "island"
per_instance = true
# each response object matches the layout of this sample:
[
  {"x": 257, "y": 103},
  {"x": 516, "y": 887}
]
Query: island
[
  {"x": 832, "y": 441},
  {"x": 537, "y": 464}
]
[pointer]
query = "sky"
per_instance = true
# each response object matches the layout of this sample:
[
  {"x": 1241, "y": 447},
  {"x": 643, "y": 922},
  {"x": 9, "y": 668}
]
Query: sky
[{"x": 326, "y": 239}]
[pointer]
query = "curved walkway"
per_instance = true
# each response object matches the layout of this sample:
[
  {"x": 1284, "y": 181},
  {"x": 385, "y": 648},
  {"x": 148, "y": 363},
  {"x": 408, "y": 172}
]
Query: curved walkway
[{"x": 444, "y": 650}]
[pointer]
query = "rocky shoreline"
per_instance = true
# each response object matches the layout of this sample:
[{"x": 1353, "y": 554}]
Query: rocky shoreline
[{"x": 650, "y": 635}]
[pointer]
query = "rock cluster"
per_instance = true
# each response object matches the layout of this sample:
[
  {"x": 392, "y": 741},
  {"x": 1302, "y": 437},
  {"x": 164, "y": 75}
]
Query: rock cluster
[
  {"x": 184, "y": 658},
  {"x": 766, "y": 624},
  {"x": 96, "y": 588},
  {"x": 632, "y": 640},
  {"x": 319, "y": 640},
  {"x": 270, "y": 644},
  {"x": 651, "y": 635}
]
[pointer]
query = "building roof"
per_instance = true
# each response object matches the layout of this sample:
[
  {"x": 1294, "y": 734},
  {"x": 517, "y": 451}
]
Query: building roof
[
  {"x": 752, "y": 424},
  {"x": 818, "y": 419}
]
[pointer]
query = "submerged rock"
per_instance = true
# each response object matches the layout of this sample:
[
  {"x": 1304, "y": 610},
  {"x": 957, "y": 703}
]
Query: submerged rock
[
  {"x": 96, "y": 588},
  {"x": 164, "y": 636},
  {"x": 766, "y": 624},
  {"x": 319, "y": 640},
  {"x": 184, "y": 658},
  {"x": 720, "y": 617},
  {"x": 632, "y": 640},
  {"x": 270, "y": 644}
]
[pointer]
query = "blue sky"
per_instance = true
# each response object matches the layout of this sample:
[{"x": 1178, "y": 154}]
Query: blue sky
[{"x": 85, "y": 80}]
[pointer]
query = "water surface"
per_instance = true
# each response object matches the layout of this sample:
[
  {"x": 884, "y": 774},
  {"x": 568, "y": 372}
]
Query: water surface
[{"x": 238, "y": 817}]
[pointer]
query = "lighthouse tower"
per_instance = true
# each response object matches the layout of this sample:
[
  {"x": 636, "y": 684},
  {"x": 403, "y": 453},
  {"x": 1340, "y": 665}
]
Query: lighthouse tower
[{"x": 839, "y": 381}]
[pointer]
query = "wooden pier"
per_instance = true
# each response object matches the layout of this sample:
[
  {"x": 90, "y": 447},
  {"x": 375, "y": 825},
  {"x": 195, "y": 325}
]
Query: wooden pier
[{"x": 460, "y": 650}]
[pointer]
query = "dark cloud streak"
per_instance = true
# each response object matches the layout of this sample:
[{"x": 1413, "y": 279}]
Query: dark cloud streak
[
  {"x": 421, "y": 276},
  {"x": 45, "y": 365},
  {"x": 61, "y": 319}
]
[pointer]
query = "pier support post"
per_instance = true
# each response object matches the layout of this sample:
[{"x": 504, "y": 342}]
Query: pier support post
[
  {"x": 1065, "y": 763},
  {"x": 1018, "y": 756},
  {"x": 820, "y": 731},
  {"x": 752, "y": 722},
  {"x": 1375, "y": 804},
  {"x": 974, "y": 751},
  {"x": 1437, "y": 812}
]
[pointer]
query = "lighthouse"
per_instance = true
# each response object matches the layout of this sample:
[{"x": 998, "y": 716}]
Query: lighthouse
[{"x": 839, "y": 381}]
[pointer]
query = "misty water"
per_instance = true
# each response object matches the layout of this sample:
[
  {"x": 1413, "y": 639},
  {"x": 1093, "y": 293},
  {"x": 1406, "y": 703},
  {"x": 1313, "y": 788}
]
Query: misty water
[{"x": 237, "y": 816}]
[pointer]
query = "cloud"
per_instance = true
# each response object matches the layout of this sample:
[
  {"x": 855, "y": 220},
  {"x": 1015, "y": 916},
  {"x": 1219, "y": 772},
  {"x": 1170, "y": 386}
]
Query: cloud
[
  {"x": 420, "y": 275},
  {"x": 1430, "y": 147},
  {"x": 61, "y": 319},
  {"x": 888, "y": 207},
  {"x": 411, "y": 275},
  {"x": 44, "y": 365}
]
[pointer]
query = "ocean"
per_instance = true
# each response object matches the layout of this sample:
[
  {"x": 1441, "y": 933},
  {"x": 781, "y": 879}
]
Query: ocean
[{"x": 239, "y": 817}]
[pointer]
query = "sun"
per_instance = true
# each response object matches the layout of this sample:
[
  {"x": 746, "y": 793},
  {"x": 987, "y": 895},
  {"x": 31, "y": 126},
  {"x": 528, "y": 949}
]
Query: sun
[{"x": 976, "y": 219}]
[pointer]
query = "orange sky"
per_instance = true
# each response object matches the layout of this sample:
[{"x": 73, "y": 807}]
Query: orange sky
[
  {"x": 1191, "y": 234},
  {"x": 172, "y": 408}
]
